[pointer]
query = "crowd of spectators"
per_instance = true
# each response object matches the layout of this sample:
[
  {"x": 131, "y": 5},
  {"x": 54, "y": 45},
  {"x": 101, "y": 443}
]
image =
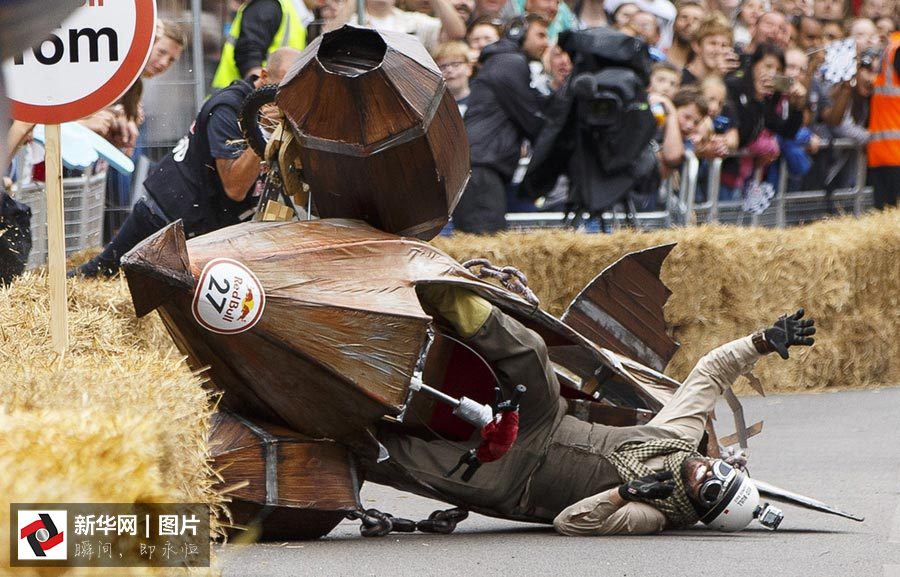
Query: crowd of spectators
[
  {"x": 743, "y": 80},
  {"x": 747, "y": 81}
]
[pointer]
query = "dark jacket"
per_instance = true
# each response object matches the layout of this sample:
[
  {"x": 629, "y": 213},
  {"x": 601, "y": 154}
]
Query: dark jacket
[
  {"x": 503, "y": 108},
  {"x": 260, "y": 23},
  {"x": 752, "y": 116}
]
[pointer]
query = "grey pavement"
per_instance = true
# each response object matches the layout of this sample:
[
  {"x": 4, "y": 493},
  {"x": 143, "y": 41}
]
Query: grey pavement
[{"x": 841, "y": 448}]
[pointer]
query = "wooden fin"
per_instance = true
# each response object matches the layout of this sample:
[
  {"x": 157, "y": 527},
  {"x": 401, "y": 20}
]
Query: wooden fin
[
  {"x": 622, "y": 308},
  {"x": 157, "y": 268}
]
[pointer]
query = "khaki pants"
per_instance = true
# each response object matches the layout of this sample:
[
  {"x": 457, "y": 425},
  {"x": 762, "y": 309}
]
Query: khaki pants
[{"x": 557, "y": 459}]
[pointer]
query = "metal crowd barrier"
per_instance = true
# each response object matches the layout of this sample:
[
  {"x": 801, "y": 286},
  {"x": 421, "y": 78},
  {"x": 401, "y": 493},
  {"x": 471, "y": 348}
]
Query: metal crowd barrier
[{"x": 681, "y": 208}]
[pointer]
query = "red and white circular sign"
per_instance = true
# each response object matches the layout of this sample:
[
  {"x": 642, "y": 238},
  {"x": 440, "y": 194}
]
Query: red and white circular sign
[
  {"x": 84, "y": 65},
  {"x": 229, "y": 298}
]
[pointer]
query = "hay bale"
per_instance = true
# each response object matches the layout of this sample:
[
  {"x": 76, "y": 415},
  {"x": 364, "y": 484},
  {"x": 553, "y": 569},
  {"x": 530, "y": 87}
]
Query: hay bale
[
  {"x": 119, "y": 418},
  {"x": 728, "y": 281}
]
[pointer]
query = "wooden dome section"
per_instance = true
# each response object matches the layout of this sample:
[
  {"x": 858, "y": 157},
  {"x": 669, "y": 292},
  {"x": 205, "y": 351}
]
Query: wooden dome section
[{"x": 381, "y": 138}]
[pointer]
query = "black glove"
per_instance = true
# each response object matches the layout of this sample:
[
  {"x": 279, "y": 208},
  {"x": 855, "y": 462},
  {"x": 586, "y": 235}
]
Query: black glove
[
  {"x": 656, "y": 486},
  {"x": 790, "y": 331}
]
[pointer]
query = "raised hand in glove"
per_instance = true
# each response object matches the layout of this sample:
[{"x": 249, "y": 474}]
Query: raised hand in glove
[
  {"x": 656, "y": 486},
  {"x": 788, "y": 331}
]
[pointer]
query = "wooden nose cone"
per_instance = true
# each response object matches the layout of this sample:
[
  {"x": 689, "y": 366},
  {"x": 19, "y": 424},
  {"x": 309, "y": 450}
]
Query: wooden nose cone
[{"x": 380, "y": 135}]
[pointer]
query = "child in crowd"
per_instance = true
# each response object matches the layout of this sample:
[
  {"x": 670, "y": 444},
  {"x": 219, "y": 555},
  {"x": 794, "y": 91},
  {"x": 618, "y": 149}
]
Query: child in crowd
[
  {"x": 692, "y": 111},
  {"x": 665, "y": 79},
  {"x": 480, "y": 33},
  {"x": 717, "y": 136},
  {"x": 453, "y": 61}
]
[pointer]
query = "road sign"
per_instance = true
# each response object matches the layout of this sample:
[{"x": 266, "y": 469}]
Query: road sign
[{"x": 84, "y": 65}]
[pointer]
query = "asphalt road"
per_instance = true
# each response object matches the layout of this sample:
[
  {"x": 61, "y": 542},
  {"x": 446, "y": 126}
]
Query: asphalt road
[{"x": 841, "y": 448}]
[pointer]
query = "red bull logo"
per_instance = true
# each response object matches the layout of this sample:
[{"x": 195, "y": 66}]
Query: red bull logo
[{"x": 229, "y": 298}]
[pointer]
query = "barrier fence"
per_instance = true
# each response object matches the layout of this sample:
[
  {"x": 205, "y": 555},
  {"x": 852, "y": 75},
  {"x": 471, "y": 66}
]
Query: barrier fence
[
  {"x": 84, "y": 202},
  {"x": 680, "y": 207}
]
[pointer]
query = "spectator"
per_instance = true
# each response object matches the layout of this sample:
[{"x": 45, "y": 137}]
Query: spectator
[
  {"x": 687, "y": 21},
  {"x": 645, "y": 26},
  {"x": 795, "y": 151},
  {"x": 771, "y": 27},
  {"x": 503, "y": 110},
  {"x": 692, "y": 110},
  {"x": 559, "y": 67},
  {"x": 712, "y": 52},
  {"x": 499, "y": 9},
  {"x": 884, "y": 123},
  {"x": 206, "y": 181},
  {"x": 464, "y": 8},
  {"x": 761, "y": 114},
  {"x": 864, "y": 32},
  {"x": 452, "y": 59},
  {"x": 809, "y": 34},
  {"x": 832, "y": 31},
  {"x": 683, "y": 117},
  {"x": 831, "y": 10},
  {"x": 482, "y": 32},
  {"x": 886, "y": 26},
  {"x": 590, "y": 14},
  {"x": 259, "y": 28},
  {"x": 841, "y": 111},
  {"x": 384, "y": 15},
  {"x": 717, "y": 137},
  {"x": 556, "y": 12},
  {"x": 793, "y": 8},
  {"x": 748, "y": 13},
  {"x": 623, "y": 13},
  {"x": 723, "y": 6},
  {"x": 875, "y": 9},
  {"x": 665, "y": 80},
  {"x": 120, "y": 123},
  {"x": 664, "y": 11}
]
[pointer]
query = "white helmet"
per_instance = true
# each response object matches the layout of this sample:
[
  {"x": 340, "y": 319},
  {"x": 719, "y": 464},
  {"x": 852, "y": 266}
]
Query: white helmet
[{"x": 731, "y": 496}]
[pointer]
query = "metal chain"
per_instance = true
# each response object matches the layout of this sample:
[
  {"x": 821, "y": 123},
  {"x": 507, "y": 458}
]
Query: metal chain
[
  {"x": 378, "y": 524},
  {"x": 510, "y": 277}
]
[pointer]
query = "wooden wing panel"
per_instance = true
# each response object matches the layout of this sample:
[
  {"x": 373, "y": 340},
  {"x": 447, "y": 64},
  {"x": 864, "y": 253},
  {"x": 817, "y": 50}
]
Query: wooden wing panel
[{"x": 622, "y": 309}]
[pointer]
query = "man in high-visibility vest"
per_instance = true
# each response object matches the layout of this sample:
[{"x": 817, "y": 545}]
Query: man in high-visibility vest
[
  {"x": 884, "y": 127},
  {"x": 259, "y": 28}
]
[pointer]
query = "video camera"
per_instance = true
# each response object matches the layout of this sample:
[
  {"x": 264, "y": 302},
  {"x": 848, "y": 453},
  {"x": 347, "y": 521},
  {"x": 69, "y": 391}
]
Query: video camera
[{"x": 599, "y": 126}]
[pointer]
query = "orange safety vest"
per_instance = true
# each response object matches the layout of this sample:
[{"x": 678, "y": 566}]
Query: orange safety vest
[{"x": 884, "y": 112}]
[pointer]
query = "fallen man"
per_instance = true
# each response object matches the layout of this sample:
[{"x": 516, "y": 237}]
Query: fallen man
[{"x": 588, "y": 479}]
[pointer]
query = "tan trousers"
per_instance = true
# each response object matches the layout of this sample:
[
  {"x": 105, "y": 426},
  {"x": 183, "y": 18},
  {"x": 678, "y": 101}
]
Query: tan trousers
[{"x": 557, "y": 459}]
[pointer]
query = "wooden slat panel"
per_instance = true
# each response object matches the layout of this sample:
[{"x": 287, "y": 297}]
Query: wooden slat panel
[{"x": 622, "y": 309}]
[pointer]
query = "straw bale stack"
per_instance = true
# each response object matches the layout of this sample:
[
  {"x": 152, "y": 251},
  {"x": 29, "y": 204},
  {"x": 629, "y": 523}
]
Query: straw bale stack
[
  {"x": 729, "y": 281},
  {"x": 120, "y": 418}
]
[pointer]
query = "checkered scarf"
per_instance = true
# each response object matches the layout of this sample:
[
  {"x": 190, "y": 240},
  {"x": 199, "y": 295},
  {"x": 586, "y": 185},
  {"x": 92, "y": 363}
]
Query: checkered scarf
[{"x": 629, "y": 461}]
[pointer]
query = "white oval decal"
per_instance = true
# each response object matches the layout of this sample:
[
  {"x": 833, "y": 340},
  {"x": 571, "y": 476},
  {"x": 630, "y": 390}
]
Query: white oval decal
[{"x": 229, "y": 298}]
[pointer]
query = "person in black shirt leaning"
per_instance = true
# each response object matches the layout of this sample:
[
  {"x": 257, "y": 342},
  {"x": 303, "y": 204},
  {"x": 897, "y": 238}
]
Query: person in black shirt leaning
[{"x": 205, "y": 181}]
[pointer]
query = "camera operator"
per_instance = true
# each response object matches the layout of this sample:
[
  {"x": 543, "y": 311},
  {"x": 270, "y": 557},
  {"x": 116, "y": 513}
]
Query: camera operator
[{"x": 504, "y": 109}]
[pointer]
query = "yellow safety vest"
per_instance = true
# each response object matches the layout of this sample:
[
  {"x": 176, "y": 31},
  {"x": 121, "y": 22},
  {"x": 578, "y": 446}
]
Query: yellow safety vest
[{"x": 291, "y": 33}]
